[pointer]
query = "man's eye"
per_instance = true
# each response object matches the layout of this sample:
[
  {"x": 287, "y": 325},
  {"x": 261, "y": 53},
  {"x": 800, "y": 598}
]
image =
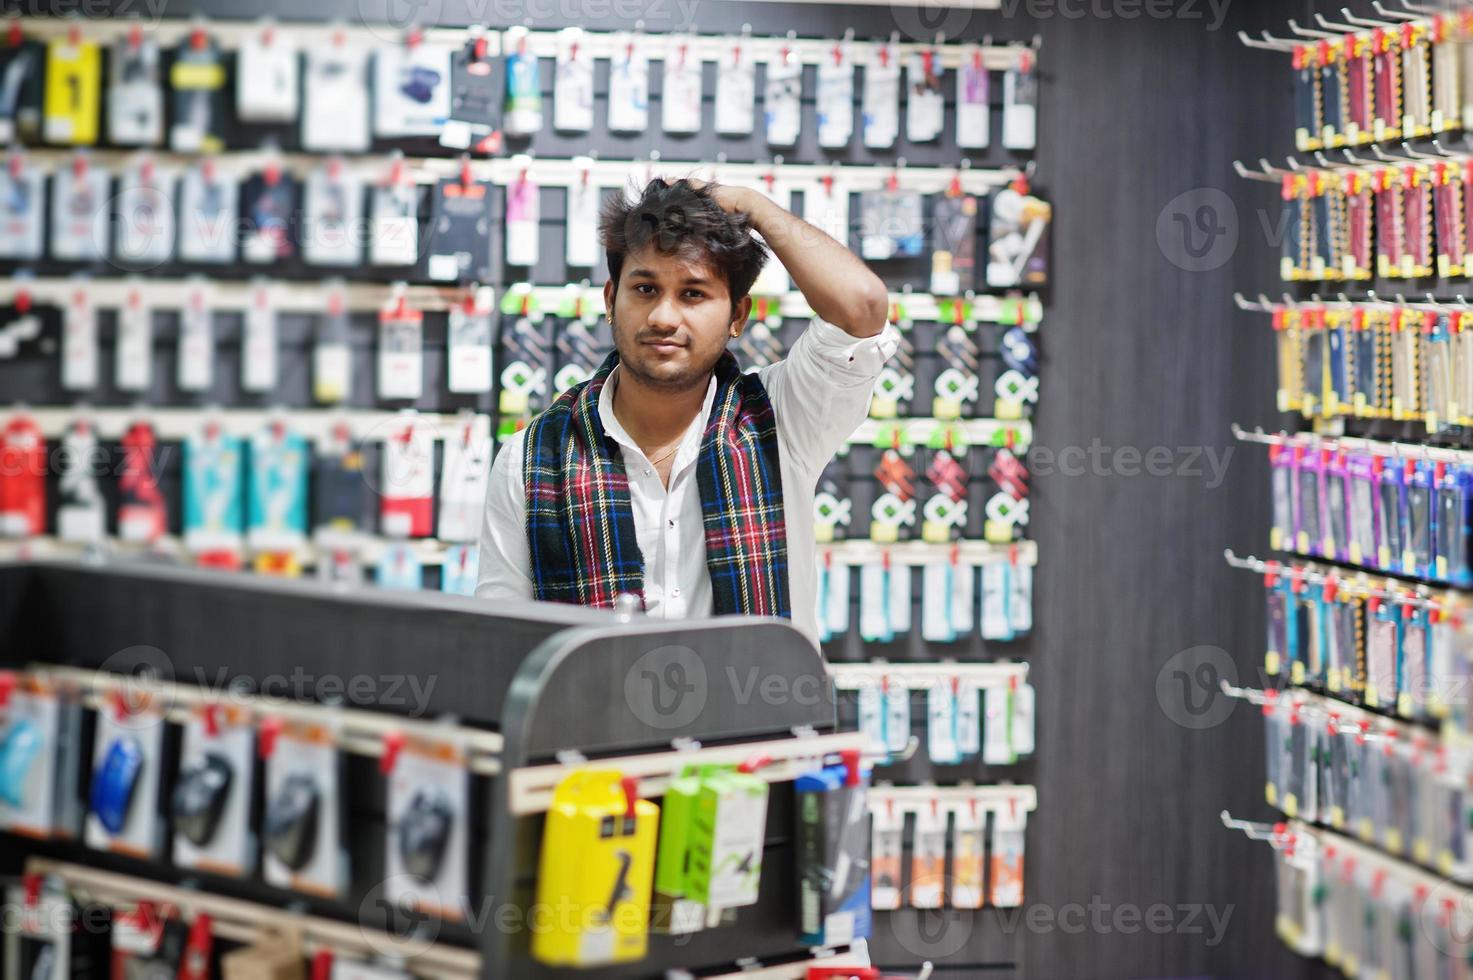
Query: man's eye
[
  {"x": 695, "y": 294},
  {"x": 642, "y": 287}
]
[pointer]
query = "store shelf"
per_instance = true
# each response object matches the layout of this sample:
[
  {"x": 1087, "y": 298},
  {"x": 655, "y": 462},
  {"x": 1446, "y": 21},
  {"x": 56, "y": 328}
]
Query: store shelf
[
  {"x": 912, "y": 798},
  {"x": 599, "y": 44},
  {"x": 875, "y": 673},
  {"x": 564, "y": 172},
  {"x": 972, "y": 552},
  {"x": 236, "y": 295},
  {"x": 247, "y": 922}
]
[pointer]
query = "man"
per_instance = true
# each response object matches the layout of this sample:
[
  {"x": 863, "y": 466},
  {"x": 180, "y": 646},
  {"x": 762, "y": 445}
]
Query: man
[{"x": 670, "y": 474}]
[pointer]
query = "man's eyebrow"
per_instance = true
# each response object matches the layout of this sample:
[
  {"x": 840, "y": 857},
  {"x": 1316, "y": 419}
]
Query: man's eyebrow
[{"x": 652, "y": 274}]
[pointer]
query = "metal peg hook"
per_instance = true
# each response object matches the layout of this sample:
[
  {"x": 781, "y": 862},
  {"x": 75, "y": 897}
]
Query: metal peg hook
[{"x": 1255, "y": 831}]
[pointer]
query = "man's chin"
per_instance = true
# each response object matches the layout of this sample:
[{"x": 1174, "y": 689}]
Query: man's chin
[{"x": 672, "y": 373}]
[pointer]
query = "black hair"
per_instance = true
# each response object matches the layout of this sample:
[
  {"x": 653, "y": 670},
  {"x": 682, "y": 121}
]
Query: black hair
[{"x": 682, "y": 220}]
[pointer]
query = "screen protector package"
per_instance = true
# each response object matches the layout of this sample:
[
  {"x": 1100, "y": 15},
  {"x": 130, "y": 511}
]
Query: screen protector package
[
  {"x": 1337, "y": 532},
  {"x": 1391, "y": 541},
  {"x": 1417, "y": 558},
  {"x": 1360, "y": 491},
  {"x": 1454, "y": 490}
]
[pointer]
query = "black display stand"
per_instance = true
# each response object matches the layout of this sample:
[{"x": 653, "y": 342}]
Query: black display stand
[{"x": 552, "y": 679}]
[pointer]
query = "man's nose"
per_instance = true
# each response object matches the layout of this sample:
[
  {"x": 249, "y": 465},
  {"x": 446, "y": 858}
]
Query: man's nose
[{"x": 665, "y": 314}]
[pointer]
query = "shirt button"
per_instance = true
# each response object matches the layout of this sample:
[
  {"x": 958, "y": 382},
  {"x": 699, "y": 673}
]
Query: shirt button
[
  {"x": 675, "y": 592},
  {"x": 647, "y": 471},
  {"x": 672, "y": 522}
]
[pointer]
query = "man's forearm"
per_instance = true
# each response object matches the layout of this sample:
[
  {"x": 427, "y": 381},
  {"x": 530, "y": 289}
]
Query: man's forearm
[{"x": 835, "y": 282}]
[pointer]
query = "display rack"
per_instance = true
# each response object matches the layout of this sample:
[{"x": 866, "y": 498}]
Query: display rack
[{"x": 516, "y": 667}]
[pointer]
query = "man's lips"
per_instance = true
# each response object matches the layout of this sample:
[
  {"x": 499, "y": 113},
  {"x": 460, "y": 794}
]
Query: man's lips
[{"x": 664, "y": 346}]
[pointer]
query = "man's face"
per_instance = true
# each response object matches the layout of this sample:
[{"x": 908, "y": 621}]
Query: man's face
[{"x": 672, "y": 318}]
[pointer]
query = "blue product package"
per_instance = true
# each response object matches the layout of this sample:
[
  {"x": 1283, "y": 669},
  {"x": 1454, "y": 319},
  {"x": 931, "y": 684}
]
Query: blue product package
[
  {"x": 214, "y": 487},
  {"x": 1453, "y": 498},
  {"x": 113, "y": 782},
  {"x": 278, "y": 497},
  {"x": 17, "y": 751}
]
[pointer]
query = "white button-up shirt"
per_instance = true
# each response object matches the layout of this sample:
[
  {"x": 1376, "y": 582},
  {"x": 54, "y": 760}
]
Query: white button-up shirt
[{"x": 820, "y": 393}]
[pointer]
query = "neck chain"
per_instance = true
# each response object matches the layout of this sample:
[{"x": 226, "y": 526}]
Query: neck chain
[{"x": 667, "y": 454}]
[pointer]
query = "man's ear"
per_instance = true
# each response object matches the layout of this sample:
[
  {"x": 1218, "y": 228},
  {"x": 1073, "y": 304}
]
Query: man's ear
[
  {"x": 609, "y": 298},
  {"x": 739, "y": 319}
]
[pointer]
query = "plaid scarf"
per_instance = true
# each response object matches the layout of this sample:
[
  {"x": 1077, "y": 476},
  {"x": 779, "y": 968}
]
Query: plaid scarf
[{"x": 580, "y": 522}]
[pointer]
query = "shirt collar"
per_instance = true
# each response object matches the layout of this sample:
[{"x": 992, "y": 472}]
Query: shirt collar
[{"x": 690, "y": 443}]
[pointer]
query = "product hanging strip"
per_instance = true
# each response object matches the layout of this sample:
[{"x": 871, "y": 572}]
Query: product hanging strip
[
  {"x": 599, "y": 44},
  {"x": 360, "y": 731},
  {"x": 247, "y": 922},
  {"x": 580, "y": 299},
  {"x": 858, "y": 676}
]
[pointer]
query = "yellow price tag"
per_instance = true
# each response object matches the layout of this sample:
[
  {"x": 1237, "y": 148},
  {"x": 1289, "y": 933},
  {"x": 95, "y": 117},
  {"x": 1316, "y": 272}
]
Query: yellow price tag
[{"x": 1271, "y": 663}]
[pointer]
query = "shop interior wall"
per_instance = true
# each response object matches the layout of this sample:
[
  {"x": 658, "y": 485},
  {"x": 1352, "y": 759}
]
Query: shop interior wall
[{"x": 1142, "y": 347}]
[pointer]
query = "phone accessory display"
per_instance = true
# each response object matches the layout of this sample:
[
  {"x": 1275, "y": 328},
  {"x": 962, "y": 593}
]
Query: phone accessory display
[
  {"x": 338, "y": 486},
  {"x": 473, "y": 94},
  {"x": 887, "y": 831},
  {"x": 428, "y": 815},
  {"x": 598, "y": 858},
  {"x": 277, "y": 515},
  {"x": 526, "y": 355},
  {"x": 207, "y": 217},
  {"x": 23, "y": 468},
  {"x": 79, "y": 214},
  {"x": 195, "y": 369},
  {"x": 459, "y": 571},
  {"x": 197, "y": 81},
  {"x": 629, "y": 69},
  {"x": 523, "y": 111},
  {"x": 332, "y": 212},
  {"x": 142, "y": 516},
  {"x": 572, "y": 87},
  {"x": 1006, "y": 880},
  {"x": 782, "y": 97},
  {"x": 411, "y": 88},
  {"x": 22, "y": 209},
  {"x": 736, "y": 88},
  {"x": 399, "y": 567},
  {"x": 835, "y": 95},
  {"x": 460, "y": 230},
  {"x": 301, "y": 831},
  {"x": 973, "y": 104},
  {"x": 832, "y": 845},
  {"x": 214, "y": 491},
  {"x": 335, "y": 98},
  {"x": 891, "y": 225},
  {"x": 464, "y": 476},
  {"x": 73, "y": 92},
  {"x": 135, "y": 94},
  {"x": 1020, "y": 105},
  {"x": 145, "y": 217},
  {"x": 80, "y": 515},
  {"x": 123, "y": 793},
  {"x": 408, "y": 479},
  {"x": 523, "y": 214},
  {"x": 400, "y": 350},
  {"x": 681, "y": 86},
  {"x": 269, "y": 202},
  {"x": 22, "y": 68},
  {"x": 1017, "y": 251},
  {"x": 33, "y": 760},
  {"x": 928, "y": 858},
  {"x": 213, "y": 795},
  {"x": 880, "y": 100},
  {"x": 394, "y": 218},
  {"x": 133, "y": 353},
  {"x": 582, "y": 250},
  {"x": 267, "y": 74},
  {"x": 259, "y": 348},
  {"x": 954, "y": 244},
  {"x": 925, "y": 104}
]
